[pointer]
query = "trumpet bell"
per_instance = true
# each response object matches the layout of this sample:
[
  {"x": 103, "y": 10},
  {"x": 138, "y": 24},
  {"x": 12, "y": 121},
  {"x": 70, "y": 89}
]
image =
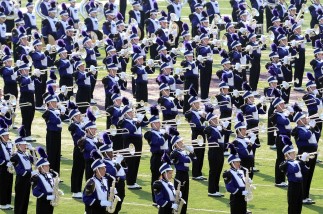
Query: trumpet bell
[{"x": 199, "y": 140}]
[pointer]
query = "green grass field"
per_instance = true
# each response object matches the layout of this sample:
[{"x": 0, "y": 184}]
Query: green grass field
[{"x": 267, "y": 198}]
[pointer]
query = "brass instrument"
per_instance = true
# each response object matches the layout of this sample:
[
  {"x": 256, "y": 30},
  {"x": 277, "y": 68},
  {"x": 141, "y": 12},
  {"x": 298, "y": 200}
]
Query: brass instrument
[
  {"x": 11, "y": 168},
  {"x": 52, "y": 50},
  {"x": 240, "y": 67},
  {"x": 205, "y": 58},
  {"x": 304, "y": 9},
  {"x": 81, "y": 53},
  {"x": 249, "y": 187},
  {"x": 178, "y": 200},
  {"x": 114, "y": 199},
  {"x": 311, "y": 155},
  {"x": 56, "y": 191},
  {"x": 130, "y": 150},
  {"x": 173, "y": 28},
  {"x": 98, "y": 4},
  {"x": 313, "y": 31},
  {"x": 113, "y": 131},
  {"x": 98, "y": 113},
  {"x": 176, "y": 121},
  {"x": 180, "y": 71}
]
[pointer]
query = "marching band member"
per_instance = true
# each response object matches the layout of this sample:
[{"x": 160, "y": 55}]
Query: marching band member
[
  {"x": 133, "y": 136},
  {"x": 235, "y": 183},
  {"x": 9, "y": 10},
  {"x": 16, "y": 31},
  {"x": 274, "y": 25},
  {"x": 306, "y": 141},
  {"x": 181, "y": 156},
  {"x": 64, "y": 67},
  {"x": 191, "y": 73},
  {"x": 169, "y": 104},
  {"x": 142, "y": 74},
  {"x": 312, "y": 98},
  {"x": 281, "y": 121},
  {"x": 83, "y": 81},
  {"x": 259, "y": 6},
  {"x": 9, "y": 75},
  {"x": 313, "y": 9},
  {"x": 252, "y": 111},
  {"x": 215, "y": 136},
  {"x": 245, "y": 145},
  {"x": 73, "y": 12},
  {"x": 196, "y": 117},
  {"x": 157, "y": 138},
  {"x": 30, "y": 18},
  {"x": 139, "y": 15},
  {"x": 96, "y": 191},
  {"x": 62, "y": 24},
  {"x": 152, "y": 25},
  {"x": 22, "y": 161},
  {"x": 92, "y": 52},
  {"x": 92, "y": 23},
  {"x": 6, "y": 177},
  {"x": 110, "y": 81},
  {"x": 294, "y": 170},
  {"x": 275, "y": 64},
  {"x": 114, "y": 168},
  {"x": 3, "y": 27},
  {"x": 89, "y": 143},
  {"x": 195, "y": 18},
  {"x": 111, "y": 5},
  {"x": 45, "y": 5},
  {"x": 281, "y": 9},
  {"x": 77, "y": 133},
  {"x": 27, "y": 95},
  {"x": 43, "y": 184},
  {"x": 54, "y": 128},
  {"x": 40, "y": 62},
  {"x": 164, "y": 190},
  {"x": 23, "y": 48},
  {"x": 212, "y": 8},
  {"x": 109, "y": 27},
  {"x": 49, "y": 24},
  {"x": 237, "y": 56},
  {"x": 166, "y": 70},
  {"x": 68, "y": 38},
  {"x": 317, "y": 64}
]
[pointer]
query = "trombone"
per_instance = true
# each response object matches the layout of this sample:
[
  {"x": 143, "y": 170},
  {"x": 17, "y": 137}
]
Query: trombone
[
  {"x": 180, "y": 71},
  {"x": 176, "y": 121},
  {"x": 81, "y": 52},
  {"x": 80, "y": 104},
  {"x": 113, "y": 131},
  {"x": 311, "y": 155},
  {"x": 239, "y": 66},
  {"x": 291, "y": 83},
  {"x": 130, "y": 150},
  {"x": 98, "y": 113}
]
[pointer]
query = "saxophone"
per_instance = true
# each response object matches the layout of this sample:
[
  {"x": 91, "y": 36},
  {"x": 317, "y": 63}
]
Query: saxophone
[
  {"x": 249, "y": 187},
  {"x": 56, "y": 191},
  {"x": 114, "y": 199},
  {"x": 178, "y": 200}
]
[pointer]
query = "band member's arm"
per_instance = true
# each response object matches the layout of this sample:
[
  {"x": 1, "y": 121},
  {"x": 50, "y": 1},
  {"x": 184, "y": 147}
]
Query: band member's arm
[{"x": 159, "y": 195}]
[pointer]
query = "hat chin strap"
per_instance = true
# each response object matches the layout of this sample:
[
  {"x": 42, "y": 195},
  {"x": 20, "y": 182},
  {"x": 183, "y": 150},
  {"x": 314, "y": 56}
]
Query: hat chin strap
[
  {"x": 98, "y": 171},
  {"x": 240, "y": 133}
]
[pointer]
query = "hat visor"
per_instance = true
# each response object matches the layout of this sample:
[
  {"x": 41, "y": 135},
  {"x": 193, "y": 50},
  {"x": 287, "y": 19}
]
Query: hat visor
[
  {"x": 289, "y": 151},
  {"x": 236, "y": 159}
]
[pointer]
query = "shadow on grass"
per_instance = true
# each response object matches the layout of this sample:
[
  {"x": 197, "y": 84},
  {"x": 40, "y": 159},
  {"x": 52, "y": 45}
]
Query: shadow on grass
[
  {"x": 265, "y": 177},
  {"x": 313, "y": 207},
  {"x": 142, "y": 193}
]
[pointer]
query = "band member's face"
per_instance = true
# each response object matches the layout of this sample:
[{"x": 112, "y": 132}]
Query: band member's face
[
  {"x": 112, "y": 72},
  {"x": 168, "y": 175},
  {"x": 243, "y": 17},
  {"x": 292, "y": 12},
  {"x": 298, "y": 30},
  {"x": 164, "y": 24},
  {"x": 73, "y": 3},
  {"x": 100, "y": 172},
  {"x": 38, "y": 47},
  {"x": 52, "y": 14},
  {"x": 196, "y": 105},
  {"x": 121, "y": 27},
  {"x": 320, "y": 55},
  {"x": 236, "y": 164},
  {"x": 92, "y": 131},
  {"x": 22, "y": 147},
  {"x": 140, "y": 61},
  {"x": 163, "y": 52},
  {"x": 273, "y": 84},
  {"x": 112, "y": 52},
  {"x": 2, "y": 19},
  {"x": 276, "y": 23},
  {"x": 167, "y": 71},
  {"x": 180, "y": 144},
  {"x": 312, "y": 88},
  {"x": 118, "y": 102},
  {"x": 205, "y": 23},
  {"x": 89, "y": 44},
  {"x": 243, "y": 131},
  {"x": 129, "y": 114},
  {"x": 5, "y": 138},
  {"x": 251, "y": 99},
  {"x": 110, "y": 16},
  {"x": 187, "y": 37},
  {"x": 238, "y": 48},
  {"x": 214, "y": 121},
  {"x": 165, "y": 92},
  {"x": 52, "y": 104},
  {"x": 81, "y": 67},
  {"x": 64, "y": 17},
  {"x": 198, "y": 10},
  {"x": 44, "y": 169},
  {"x": 231, "y": 29},
  {"x": 281, "y": 106},
  {"x": 69, "y": 33},
  {"x": 135, "y": 41},
  {"x": 302, "y": 121},
  {"x": 63, "y": 55},
  {"x": 253, "y": 39},
  {"x": 275, "y": 59},
  {"x": 321, "y": 22},
  {"x": 93, "y": 14},
  {"x": 153, "y": 15},
  {"x": 227, "y": 66},
  {"x": 189, "y": 58},
  {"x": 155, "y": 125},
  {"x": 30, "y": 9},
  {"x": 77, "y": 118},
  {"x": 8, "y": 63},
  {"x": 225, "y": 90},
  {"x": 205, "y": 41},
  {"x": 24, "y": 72},
  {"x": 23, "y": 41}
]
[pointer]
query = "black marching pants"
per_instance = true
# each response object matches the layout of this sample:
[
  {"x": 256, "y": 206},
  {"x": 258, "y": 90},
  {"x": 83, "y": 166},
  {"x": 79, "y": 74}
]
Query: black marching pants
[
  {"x": 77, "y": 170},
  {"x": 22, "y": 190},
  {"x": 294, "y": 197},
  {"x": 67, "y": 81},
  {"x": 155, "y": 163},
  {"x": 43, "y": 206},
  {"x": 205, "y": 79},
  {"x": 187, "y": 83},
  {"x": 141, "y": 92},
  {"x": 199, "y": 151},
  {"x": 40, "y": 89},
  {"x": 6, "y": 180},
  {"x": 299, "y": 68},
  {"x": 53, "y": 149},
  {"x": 279, "y": 175},
  {"x": 238, "y": 205},
  {"x": 28, "y": 112},
  {"x": 216, "y": 161},
  {"x": 83, "y": 95},
  {"x": 88, "y": 169},
  {"x": 133, "y": 162},
  {"x": 183, "y": 177},
  {"x": 120, "y": 186}
]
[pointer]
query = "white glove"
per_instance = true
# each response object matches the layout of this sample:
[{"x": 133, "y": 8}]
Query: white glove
[
  {"x": 242, "y": 30},
  {"x": 200, "y": 58},
  {"x": 293, "y": 43},
  {"x": 253, "y": 137},
  {"x": 30, "y": 147},
  {"x": 286, "y": 60},
  {"x": 63, "y": 88},
  {"x": 150, "y": 63},
  {"x": 178, "y": 92},
  {"x": 290, "y": 109},
  {"x": 235, "y": 93},
  {"x": 304, "y": 156},
  {"x": 196, "y": 38},
  {"x": 178, "y": 71},
  {"x": 225, "y": 124},
  {"x": 140, "y": 117},
  {"x": 162, "y": 131},
  {"x": 9, "y": 164},
  {"x": 245, "y": 192},
  {"x": 4, "y": 110},
  {"x": 219, "y": 128},
  {"x": 167, "y": 129},
  {"x": 285, "y": 85},
  {"x": 262, "y": 99},
  {"x": 62, "y": 108},
  {"x": 48, "y": 47},
  {"x": 123, "y": 75},
  {"x": 92, "y": 68},
  {"x": 237, "y": 66},
  {"x": 312, "y": 123},
  {"x": 119, "y": 159},
  {"x": 37, "y": 72},
  {"x": 105, "y": 204},
  {"x": 174, "y": 51},
  {"x": 145, "y": 41},
  {"x": 190, "y": 148},
  {"x": 308, "y": 31},
  {"x": 50, "y": 197},
  {"x": 286, "y": 112},
  {"x": 34, "y": 172},
  {"x": 175, "y": 206}
]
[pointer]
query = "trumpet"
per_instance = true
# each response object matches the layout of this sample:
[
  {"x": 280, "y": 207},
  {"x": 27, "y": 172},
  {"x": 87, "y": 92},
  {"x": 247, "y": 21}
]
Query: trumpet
[
  {"x": 124, "y": 75},
  {"x": 141, "y": 103},
  {"x": 306, "y": 102},
  {"x": 180, "y": 92},
  {"x": 96, "y": 68},
  {"x": 180, "y": 71},
  {"x": 98, "y": 113},
  {"x": 311, "y": 155},
  {"x": 81, "y": 53},
  {"x": 313, "y": 31},
  {"x": 205, "y": 58},
  {"x": 68, "y": 88},
  {"x": 295, "y": 43},
  {"x": 52, "y": 49},
  {"x": 240, "y": 67},
  {"x": 80, "y": 104},
  {"x": 291, "y": 83},
  {"x": 113, "y": 131}
]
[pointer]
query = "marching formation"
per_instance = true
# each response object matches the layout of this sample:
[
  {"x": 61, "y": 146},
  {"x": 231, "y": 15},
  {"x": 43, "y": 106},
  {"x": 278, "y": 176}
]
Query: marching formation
[{"x": 53, "y": 67}]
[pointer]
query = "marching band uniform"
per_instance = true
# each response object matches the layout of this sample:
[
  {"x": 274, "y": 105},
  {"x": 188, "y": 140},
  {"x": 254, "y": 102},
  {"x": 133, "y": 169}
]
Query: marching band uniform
[
  {"x": 239, "y": 56},
  {"x": 22, "y": 162},
  {"x": 62, "y": 24},
  {"x": 255, "y": 57},
  {"x": 9, "y": 10},
  {"x": 195, "y": 117},
  {"x": 133, "y": 137},
  {"x": 181, "y": 160},
  {"x": 77, "y": 133},
  {"x": 195, "y": 18},
  {"x": 3, "y": 29},
  {"x": 44, "y": 7},
  {"x": 313, "y": 8},
  {"x": 176, "y": 8},
  {"x": 258, "y": 5},
  {"x": 294, "y": 170},
  {"x": 6, "y": 178},
  {"x": 110, "y": 81},
  {"x": 235, "y": 7},
  {"x": 92, "y": 23},
  {"x": 152, "y": 25},
  {"x": 30, "y": 19},
  {"x": 317, "y": 65},
  {"x": 22, "y": 48},
  {"x": 49, "y": 25},
  {"x": 54, "y": 129},
  {"x": 212, "y": 8},
  {"x": 158, "y": 142},
  {"x": 306, "y": 141},
  {"x": 43, "y": 184},
  {"x": 172, "y": 80},
  {"x": 96, "y": 191},
  {"x": 138, "y": 15},
  {"x": 73, "y": 12},
  {"x": 164, "y": 191},
  {"x": 9, "y": 75},
  {"x": 68, "y": 38},
  {"x": 235, "y": 183}
]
